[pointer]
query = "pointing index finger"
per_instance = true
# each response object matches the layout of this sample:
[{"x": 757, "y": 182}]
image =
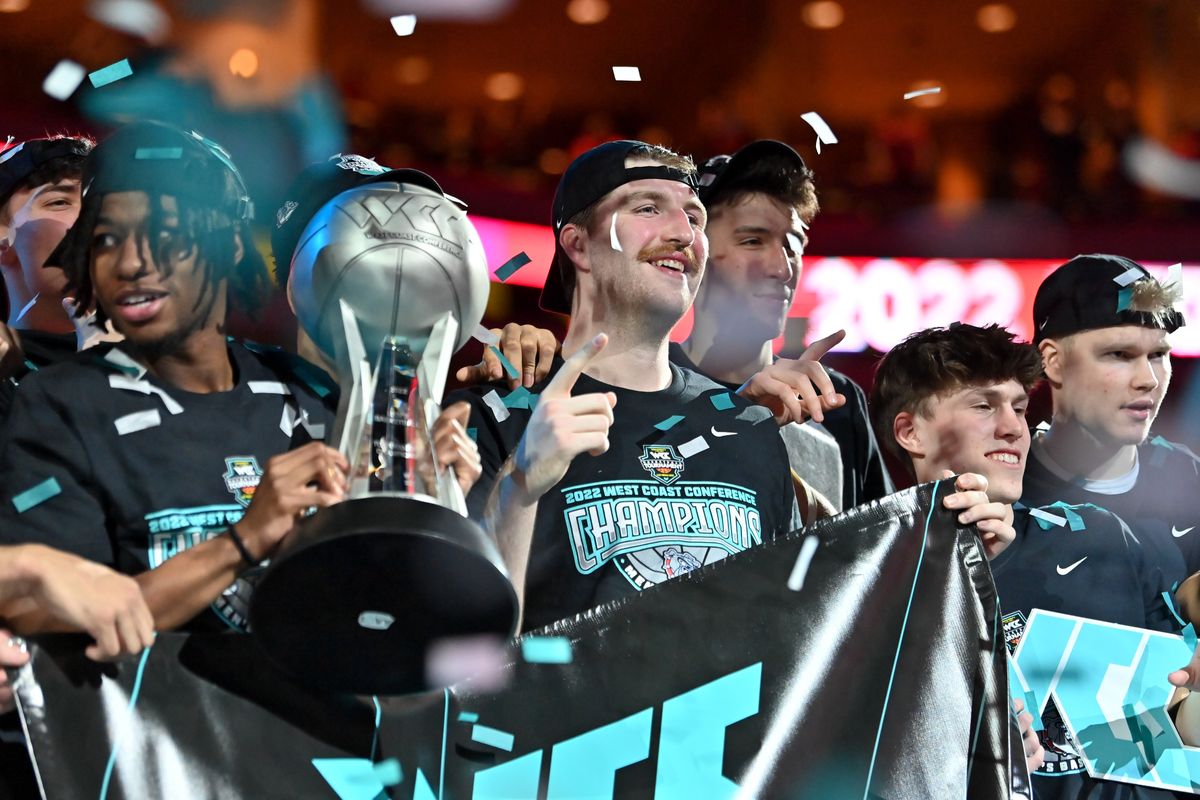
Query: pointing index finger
[
  {"x": 820, "y": 347},
  {"x": 573, "y": 367}
]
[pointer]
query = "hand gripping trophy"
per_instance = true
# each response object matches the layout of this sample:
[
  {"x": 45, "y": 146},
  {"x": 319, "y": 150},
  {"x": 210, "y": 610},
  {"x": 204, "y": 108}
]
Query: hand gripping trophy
[{"x": 388, "y": 279}]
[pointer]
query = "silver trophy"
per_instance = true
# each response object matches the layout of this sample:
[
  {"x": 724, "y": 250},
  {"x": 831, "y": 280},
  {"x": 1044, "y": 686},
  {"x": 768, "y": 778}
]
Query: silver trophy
[{"x": 388, "y": 280}]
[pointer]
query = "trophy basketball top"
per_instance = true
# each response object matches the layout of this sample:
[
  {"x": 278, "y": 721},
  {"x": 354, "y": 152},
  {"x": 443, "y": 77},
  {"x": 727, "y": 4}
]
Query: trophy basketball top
[{"x": 390, "y": 243}]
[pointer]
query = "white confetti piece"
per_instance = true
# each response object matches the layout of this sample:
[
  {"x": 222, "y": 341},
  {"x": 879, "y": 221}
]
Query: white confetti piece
[
  {"x": 21, "y": 314},
  {"x": 922, "y": 92},
  {"x": 1046, "y": 516},
  {"x": 613, "y": 241},
  {"x": 499, "y": 410},
  {"x": 115, "y": 356},
  {"x": 483, "y": 660},
  {"x": 404, "y": 24},
  {"x": 316, "y": 430},
  {"x": 1128, "y": 276},
  {"x": 692, "y": 447},
  {"x": 807, "y": 550},
  {"x": 144, "y": 387},
  {"x": 269, "y": 387},
  {"x": 1174, "y": 275},
  {"x": 137, "y": 421},
  {"x": 62, "y": 81},
  {"x": 1044, "y": 425},
  {"x": 482, "y": 334},
  {"x": 627, "y": 73},
  {"x": 824, "y": 132},
  {"x": 287, "y": 423}
]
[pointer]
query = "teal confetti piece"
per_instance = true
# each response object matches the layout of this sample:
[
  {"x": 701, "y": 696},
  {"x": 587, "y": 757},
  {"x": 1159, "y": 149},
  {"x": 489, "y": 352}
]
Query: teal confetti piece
[
  {"x": 492, "y": 737},
  {"x": 158, "y": 153},
  {"x": 111, "y": 73},
  {"x": 36, "y": 495},
  {"x": 520, "y": 398},
  {"x": 468, "y": 716},
  {"x": 1031, "y": 705},
  {"x": 1170, "y": 601},
  {"x": 506, "y": 270},
  {"x": 1124, "y": 298},
  {"x": 504, "y": 362},
  {"x": 473, "y": 433},
  {"x": 546, "y": 650},
  {"x": 722, "y": 402},
  {"x": 388, "y": 772},
  {"x": 1189, "y": 636},
  {"x": 1074, "y": 521},
  {"x": 670, "y": 422}
]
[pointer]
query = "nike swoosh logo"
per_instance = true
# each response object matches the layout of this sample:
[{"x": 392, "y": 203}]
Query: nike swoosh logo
[
  {"x": 718, "y": 434},
  {"x": 1068, "y": 570},
  {"x": 1177, "y": 533}
]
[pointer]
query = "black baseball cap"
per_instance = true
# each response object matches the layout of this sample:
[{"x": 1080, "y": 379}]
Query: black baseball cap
[
  {"x": 722, "y": 172},
  {"x": 586, "y": 181},
  {"x": 22, "y": 160},
  {"x": 1083, "y": 294},
  {"x": 319, "y": 183}
]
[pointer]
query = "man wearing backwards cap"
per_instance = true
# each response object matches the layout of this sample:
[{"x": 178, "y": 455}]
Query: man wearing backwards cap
[
  {"x": 577, "y": 531},
  {"x": 39, "y": 200},
  {"x": 760, "y": 202},
  {"x": 1101, "y": 323},
  {"x": 177, "y": 456}
]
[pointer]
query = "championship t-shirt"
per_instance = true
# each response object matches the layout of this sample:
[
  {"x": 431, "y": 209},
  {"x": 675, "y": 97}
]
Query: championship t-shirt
[
  {"x": 101, "y": 459},
  {"x": 693, "y": 474}
]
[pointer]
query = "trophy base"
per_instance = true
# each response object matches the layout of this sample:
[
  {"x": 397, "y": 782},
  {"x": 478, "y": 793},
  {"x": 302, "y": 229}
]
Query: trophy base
[{"x": 367, "y": 586}]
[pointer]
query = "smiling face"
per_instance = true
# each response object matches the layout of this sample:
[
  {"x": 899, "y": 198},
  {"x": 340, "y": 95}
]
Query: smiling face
[
  {"x": 34, "y": 221},
  {"x": 645, "y": 250},
  {"x": 1110, "y": 381},
  {"x": 756, "y": 244},
  {"x": 978, "y": 429},
  {"x": 155, "y": 292}
]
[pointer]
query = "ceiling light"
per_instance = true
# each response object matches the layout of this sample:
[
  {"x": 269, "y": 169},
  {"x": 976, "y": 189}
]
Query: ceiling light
[
  {"x": 823, "y": 14},
  {"x": 244, "y": 63},
  {"x": 996, "y": 17},
  {"x": 587, "y": 12},
  {"x": 504, "y": 86}
]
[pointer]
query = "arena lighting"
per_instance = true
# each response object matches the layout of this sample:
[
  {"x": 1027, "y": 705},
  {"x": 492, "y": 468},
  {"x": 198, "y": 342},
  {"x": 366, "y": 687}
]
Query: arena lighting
[
  {"x": 587, "y": 12},
  {"x": 878, "y": 301},
  {"x": 244, "y": 63},
  {"x": 504, "y": 86},
  {"x": 823, "y": 14},
  {"x": 996, "y": 18}
]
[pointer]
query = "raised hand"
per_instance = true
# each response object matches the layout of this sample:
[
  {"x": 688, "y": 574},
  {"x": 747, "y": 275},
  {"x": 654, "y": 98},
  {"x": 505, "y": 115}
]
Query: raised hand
[
  {"x": 528, "y": 348},
  {"x": 797, "y": 389},
  {"x": 563, "y": 426},
  {"x": 992, "y": 519},
  {"x": 312, "y": 475}
]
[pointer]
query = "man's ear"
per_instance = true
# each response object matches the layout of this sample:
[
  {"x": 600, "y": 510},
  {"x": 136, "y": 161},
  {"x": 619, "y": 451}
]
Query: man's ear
[
  {"x": 1053, "y": 352},
  {"x": 908, "y": 434},
  {"x": 574, "y": 243}
]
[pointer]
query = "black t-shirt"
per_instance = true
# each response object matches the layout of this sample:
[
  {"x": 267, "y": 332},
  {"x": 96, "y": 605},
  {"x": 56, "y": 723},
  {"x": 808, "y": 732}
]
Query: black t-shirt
[
  {"x": 1108, "y": 578},
  {"x": 710, "y": 480},
  {"x": 41, "y": 350},
  {"x": 864, "y": 476},
  {"x": 103, "y": 460},
  {"x": 1162, "y": 509}
]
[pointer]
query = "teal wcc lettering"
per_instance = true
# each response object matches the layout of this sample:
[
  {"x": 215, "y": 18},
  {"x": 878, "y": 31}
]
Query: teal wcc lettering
[
  {"x": 691, "y": 747},
  {"x": 1110, "y": 684}
]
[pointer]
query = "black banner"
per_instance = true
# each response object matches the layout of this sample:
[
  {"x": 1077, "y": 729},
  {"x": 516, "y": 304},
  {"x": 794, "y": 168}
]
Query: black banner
[{"x": 882, "y": 676}]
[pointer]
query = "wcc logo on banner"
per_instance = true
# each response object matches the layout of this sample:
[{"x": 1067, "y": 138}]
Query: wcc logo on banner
[{"x": 1110, "y": 683}]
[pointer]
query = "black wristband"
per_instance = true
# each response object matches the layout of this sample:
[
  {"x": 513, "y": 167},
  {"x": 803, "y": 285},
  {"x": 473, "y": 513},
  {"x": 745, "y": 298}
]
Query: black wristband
[{"x": 241, "y": 546}]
